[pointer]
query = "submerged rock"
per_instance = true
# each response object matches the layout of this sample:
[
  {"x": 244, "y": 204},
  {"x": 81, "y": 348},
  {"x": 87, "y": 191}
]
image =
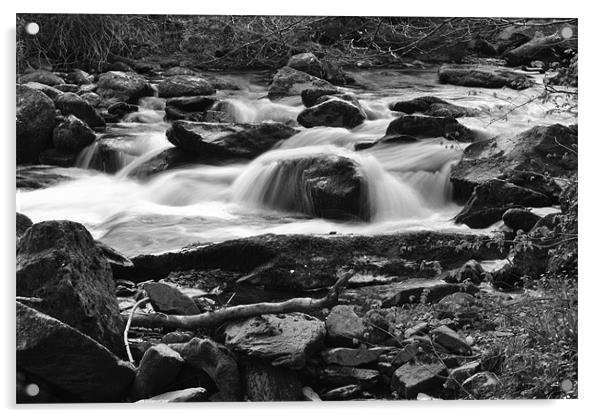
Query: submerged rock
[
  {"x": 123, "y": 86},
  {"x": 333, "y": 112},
  {"x": 233, "y": 140},
  {"x": 432, "y": 106},
  {"x": 284, "y": 340},
  {"x": 35, "y": 122},
  {"x": 483, "y": 76},
  {"x": 185, "y": 85},
  {"x": 430, "y": 127},
  {"x": 59, "y": 262},
  {"x": 290, "y": 82},
  {"x": 80, "y": 367}
]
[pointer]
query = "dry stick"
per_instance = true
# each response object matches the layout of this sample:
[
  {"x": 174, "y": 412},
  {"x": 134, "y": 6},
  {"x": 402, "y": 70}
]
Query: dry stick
[
  {"x": 212, "y": 319},
  {"x": 128, "y": 325}
]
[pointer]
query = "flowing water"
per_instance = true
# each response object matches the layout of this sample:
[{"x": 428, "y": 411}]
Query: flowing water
[{"x": 407, "y": 184}]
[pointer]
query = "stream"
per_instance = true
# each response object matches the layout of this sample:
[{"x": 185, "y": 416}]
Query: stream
[{"x": 408, "y": 184}]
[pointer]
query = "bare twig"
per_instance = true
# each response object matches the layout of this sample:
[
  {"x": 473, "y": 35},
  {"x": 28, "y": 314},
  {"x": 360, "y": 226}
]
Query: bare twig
[{"x": 128, "y": 325}]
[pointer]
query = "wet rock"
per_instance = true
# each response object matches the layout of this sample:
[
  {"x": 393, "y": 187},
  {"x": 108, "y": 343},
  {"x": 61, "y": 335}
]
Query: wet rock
[
  {"x": 170, "y": 300},
  {"x": 333, "y": 112},
  {"x": 71, "y": 103},
  {"x": 217, "y": 362},
  {"x": 210, "y": 140},
  {"x": 166, "y": 160},
  {"x": 290, "y": 82},
  {"x": 185, "y": 85},
  {"x": 308, "y": 63},
  {"x": 432, "y": 106},
  {"x": 344, "y": 326},
  {"x": 430, "y": 127},
  {"x": 343, "y": 393},
  {"x": 72, "y": 135},
  {"x": 522, "y": 219},
  {"x": 450, "y": 340},
  {"x": 266, "y": 383},
  {"x": 337, "y": 376},
  {"x": 120, "y": 109},
  {"x": 522, "y": 159},
  {"x": 191, "y": 104},
  {"x": 59, "y": 262},
  {"x": 471, "y": 271},
  {"x": 49, "y": 91},
  {"x": 23, "y": 224},
  {"x": 35, "y": 122},
  {"x": 492, "y": 199},
  {"x": 413, "y": 378},
  {"x": 79, "y": 77},
  {"x": 483, "y": 76},
  {"x": 310, "y": 97},
  {"x": 83, "y": 369},
  {"x": 284, "y": 340},
  {"x": 123, "y": 86},
  {"x": 183, "y": 395},
  {"x": 158, "y": 368},
  {"x": 352, "y": 356},
  {"x": 43, "y": 77}
]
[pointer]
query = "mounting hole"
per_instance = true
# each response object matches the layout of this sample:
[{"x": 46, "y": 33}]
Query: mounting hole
[
  {"x": 566, "y": 32},
  {"x": 32, "y": 28},
  {"x": 32, "y": 389}
]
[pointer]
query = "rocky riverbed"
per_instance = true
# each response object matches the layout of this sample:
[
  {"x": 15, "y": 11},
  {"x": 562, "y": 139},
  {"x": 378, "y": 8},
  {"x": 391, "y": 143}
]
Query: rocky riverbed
[{"x": 309, "y": 234}]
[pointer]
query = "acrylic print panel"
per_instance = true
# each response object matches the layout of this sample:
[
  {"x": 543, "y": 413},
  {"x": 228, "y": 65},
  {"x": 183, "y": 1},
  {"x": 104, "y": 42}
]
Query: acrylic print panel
[{"x": 295, "y": 208}]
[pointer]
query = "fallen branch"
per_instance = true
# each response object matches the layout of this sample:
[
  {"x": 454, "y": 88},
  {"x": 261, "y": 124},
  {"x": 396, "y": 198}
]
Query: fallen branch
[
  {"x": 213, "y": 319},
  {"x": 126, "y": 340}
]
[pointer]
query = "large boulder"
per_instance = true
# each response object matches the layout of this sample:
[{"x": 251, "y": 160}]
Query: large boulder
[
  {"x": 310, "y": 97},
  {"x": 123, "y": 86},
  {"x": 483, "y": 76},
  {"x": 233, "y": 140},
  {"x": 72, "y": 104},
  {"x": 23, "y": 224},
  {"x": 333, "y": 112},
  {"x": 59, "y": 262},
  {"x": 430, "y": 127},
  {"x": 72, "y": 135},
  {"x": 284, "y": 340},
  {"x": 324, "y": 186},
  {"x": 308, "y": 63},
  {"x": 290, "y": 82},
  {"x": 530, "y": 159},
  {"x": 35, "y": 122},
  {"x": 185, "y": 85},
  {"x": 79, "y": 366},
  {"x": 432, "y": 106},
  {"x": 490, "y": 200},
  {"x": 43, "y": 77}
]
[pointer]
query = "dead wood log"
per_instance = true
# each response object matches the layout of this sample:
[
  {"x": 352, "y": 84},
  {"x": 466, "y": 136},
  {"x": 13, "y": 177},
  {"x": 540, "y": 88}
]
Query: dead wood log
[{"x": 213, "y": 319}]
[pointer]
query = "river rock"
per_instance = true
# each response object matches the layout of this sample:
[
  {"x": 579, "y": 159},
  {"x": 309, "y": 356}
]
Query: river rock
[
  {"x": 79, "y": 77},
  {"x": 483, "y": 76},
  {"x": 67, "y": 88},
  {"x": 234, "y": 140},
  {"x": 290, "y": 82},
  {"x": 308, "y": 63},
  {"x": 456, "y": 305},
  {"x": 23, "y": 224},
  {"x": 59, "y": 262},
  {"x": 69, "y": 360},
  {"x": 344, "y": 326},
  {"x": 432, "y": 106},
  {"x": 310, "y": 97},
  {"x": 123, "y": 86},
  {"x": 43, "y": 77},
  {"x": 170, "y": 300},
  {"x": 71, "y": 103},
  {"x": 49, "y": 91},
  {"x": 185, "y": 85},
  {"x": 183, "y": 395},
  {"x": 92, "y": 98},
  {"x": 166, "y": 160},
  {"x": 35, "y": 122},
  {"x": 333, "y": 112},
  {"x": 191, "y": 104},
  {"x": 522, "y": 219},
  {"x": 450, "y": 340},
  {"x": 266, "y": 383},
  {"x": 72, "y": 135},
  {"x": 430, "y": 127},
  {"x": 522, "y": 159},
  {"x": 413, "y": 378},
  {"x": 337, "y": 376},
  {"x": 490, "y": 201},
  {"x": 343, "y": 393},
  {"x": 352, "y": 356},
  {"x": 470, "y": 271},
  {"x": 158, "y": 368},
  {"x": 120, "y": 109},
  {"x": 284, "y": 340},
  {"x": 461, "y": 373}
]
